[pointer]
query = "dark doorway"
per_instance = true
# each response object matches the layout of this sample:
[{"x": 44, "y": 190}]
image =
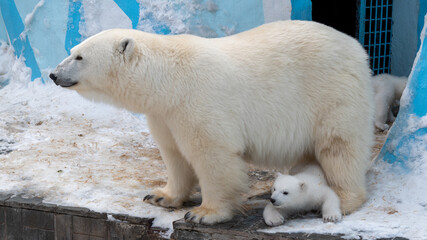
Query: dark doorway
[{"x": 339, "y": 14}]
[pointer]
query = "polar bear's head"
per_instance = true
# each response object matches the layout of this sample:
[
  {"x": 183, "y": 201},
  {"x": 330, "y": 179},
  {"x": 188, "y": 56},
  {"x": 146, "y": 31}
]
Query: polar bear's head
[
  {"x": 95, "y": 65},
  {"x": 287, "y": 191}
]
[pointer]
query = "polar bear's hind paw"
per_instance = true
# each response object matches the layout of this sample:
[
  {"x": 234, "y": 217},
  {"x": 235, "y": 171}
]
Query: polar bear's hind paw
[{"x": 332, "y": 218}]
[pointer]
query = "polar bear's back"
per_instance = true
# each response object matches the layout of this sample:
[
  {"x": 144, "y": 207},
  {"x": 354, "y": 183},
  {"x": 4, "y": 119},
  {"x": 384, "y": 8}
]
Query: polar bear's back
[
  {"x": 300, "y": 74},
  {"x": 314, "y": 51}
]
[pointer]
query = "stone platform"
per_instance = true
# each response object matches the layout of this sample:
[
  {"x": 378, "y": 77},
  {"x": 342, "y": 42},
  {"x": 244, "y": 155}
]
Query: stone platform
[{"x": 28, "y": 219}]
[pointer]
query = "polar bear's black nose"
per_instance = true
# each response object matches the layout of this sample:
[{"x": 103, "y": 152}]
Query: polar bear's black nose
[
  {"x": 272, "y": 200},
  {"x": 53, "y": 76}
]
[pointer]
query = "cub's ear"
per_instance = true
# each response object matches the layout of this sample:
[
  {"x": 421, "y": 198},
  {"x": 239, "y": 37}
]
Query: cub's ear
[
  {"x": 302, "y": 186},
  {"x": 126, "y": 47}
]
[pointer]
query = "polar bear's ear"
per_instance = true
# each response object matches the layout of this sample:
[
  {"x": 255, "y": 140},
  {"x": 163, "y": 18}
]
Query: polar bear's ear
[
  {"x": 278, "y": 174},
  {"x": 126, "y": 47}
]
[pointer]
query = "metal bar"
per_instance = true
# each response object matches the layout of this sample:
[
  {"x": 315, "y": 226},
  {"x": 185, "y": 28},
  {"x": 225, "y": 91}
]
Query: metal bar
[
  {"x": 375, "y": 39},
  {"x": 370, "y": 31},
  {"x": 391, "y": 25},
  {"x": 380, "y": 53},
  {"x": 378, "y": 47},
  {"x": 386, "y": 27},
  {"x": 362, "y": 21}
]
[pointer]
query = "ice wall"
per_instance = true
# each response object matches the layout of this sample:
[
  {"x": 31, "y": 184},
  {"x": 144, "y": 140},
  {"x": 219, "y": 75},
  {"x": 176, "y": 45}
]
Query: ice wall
[
  {"x": 406, "y": 144},
  {"x": 44, "y": 31}
]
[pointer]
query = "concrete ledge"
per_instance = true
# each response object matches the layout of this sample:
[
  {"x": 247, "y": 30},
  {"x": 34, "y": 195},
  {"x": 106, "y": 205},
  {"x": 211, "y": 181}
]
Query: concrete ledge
[{"x": 23, "y": 218}]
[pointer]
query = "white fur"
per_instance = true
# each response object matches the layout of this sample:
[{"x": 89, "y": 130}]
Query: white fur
[
  {"x": 388, "y": 89},
  {"x": 274, "y": 95},
  {"x": 305, "y": 191}
]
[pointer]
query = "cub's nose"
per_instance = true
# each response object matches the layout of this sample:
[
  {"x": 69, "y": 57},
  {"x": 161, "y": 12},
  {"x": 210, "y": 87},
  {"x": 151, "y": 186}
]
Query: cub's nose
[
  {"x": 272, "y": 200},
  {"x": 53, "y": 76}
]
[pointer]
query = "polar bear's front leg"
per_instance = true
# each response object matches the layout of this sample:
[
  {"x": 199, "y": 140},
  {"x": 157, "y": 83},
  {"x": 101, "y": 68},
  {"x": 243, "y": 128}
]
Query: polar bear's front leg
[
  {"x": 179, "y": 185},
  {"x": 223, "y": 178},
  {"x": 272, "y": 217},
  {"x": 181, "y": 177}
]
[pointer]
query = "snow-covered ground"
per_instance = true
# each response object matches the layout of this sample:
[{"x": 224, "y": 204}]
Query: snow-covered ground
[{"x": 70, "y": 151}]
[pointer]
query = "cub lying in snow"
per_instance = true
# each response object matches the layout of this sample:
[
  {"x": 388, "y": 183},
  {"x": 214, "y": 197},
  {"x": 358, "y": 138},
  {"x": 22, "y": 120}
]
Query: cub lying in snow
[{"x": 305, "y": 191}]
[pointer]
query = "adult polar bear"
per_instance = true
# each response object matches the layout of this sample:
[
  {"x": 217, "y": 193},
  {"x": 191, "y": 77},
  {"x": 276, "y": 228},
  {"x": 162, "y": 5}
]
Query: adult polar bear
[{"x": 280, "y": 94}]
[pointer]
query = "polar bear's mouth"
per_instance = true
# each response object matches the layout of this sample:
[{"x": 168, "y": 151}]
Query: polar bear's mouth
[
  {"x": 67, "y": 84},
  {"x": 62, "y": 82}
]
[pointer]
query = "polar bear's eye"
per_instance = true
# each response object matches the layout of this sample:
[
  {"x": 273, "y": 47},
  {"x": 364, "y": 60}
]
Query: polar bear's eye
[
  {"x": 285, "y": 193},
  {"x": 79, "y": 57}
]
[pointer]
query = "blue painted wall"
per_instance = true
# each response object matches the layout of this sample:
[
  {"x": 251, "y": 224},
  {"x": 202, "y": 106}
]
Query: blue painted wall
[
  {"x": 301, "y": 10},
  {"x": 408, "y": 21},
  {"x": 54, "y": 27},
  {"x": 21, "y": 44},
  {"x": 422, "y": 10},
  {"x": 72, "y": 35},
  {"x": 224, "y": 17},
  {"x": 3, "y": 32}
]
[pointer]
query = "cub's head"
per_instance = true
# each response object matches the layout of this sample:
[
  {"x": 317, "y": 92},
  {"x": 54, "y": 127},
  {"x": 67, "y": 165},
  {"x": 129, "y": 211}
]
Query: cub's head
[
  {"x": 94, "y": 66},
  {"x": 287, "y": 191}
]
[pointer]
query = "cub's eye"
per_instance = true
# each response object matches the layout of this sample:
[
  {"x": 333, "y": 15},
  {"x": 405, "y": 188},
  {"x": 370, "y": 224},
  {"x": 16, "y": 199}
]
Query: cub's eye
[
  {"x": 79, "y": 57},
  {"x": 285, "y": 193}
]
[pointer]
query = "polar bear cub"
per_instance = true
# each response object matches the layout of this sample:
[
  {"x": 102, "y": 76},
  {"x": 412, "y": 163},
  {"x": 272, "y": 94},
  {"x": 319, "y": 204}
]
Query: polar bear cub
[
  {"x": 388, "y": 89},
  {"x": 305, "y": 191}
]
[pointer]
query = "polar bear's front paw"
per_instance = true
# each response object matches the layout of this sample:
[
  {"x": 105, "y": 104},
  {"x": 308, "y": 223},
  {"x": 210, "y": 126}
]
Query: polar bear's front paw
[
  {"x": 332, "y": 217},
  {"x": 208, "y": 216},
  {"x": 160, "y": 198}
]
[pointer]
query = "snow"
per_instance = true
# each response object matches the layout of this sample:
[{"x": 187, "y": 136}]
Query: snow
[{"x": 166, "y": 16}]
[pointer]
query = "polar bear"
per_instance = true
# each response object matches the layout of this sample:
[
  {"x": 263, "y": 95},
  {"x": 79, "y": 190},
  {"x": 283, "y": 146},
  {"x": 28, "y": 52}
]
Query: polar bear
[
  {"x": 275, "y": 95},
  {"x": 388, "y": 89},
  {"x": 299, "y": 193}
]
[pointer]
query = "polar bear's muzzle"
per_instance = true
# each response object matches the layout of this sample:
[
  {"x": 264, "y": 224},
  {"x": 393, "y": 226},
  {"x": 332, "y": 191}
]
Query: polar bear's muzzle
[{"x": 62, "y": 82}]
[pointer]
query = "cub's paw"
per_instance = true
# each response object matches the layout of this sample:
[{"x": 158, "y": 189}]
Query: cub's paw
[
  {"x": 272, "y": 217},
  {"x": 382, "y": 126},
  {"x": 160, "y": 198},
  {"x": 208, "y": 216},
  {"x": 333, "y": 217}
]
